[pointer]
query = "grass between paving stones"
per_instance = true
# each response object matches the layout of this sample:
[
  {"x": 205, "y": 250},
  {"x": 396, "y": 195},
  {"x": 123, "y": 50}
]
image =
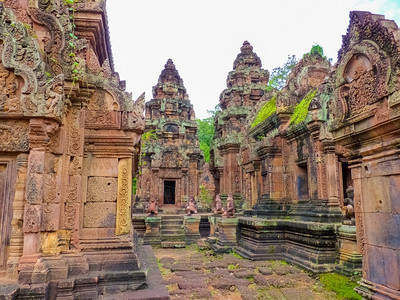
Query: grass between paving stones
[{"x": 341, "y": 285}]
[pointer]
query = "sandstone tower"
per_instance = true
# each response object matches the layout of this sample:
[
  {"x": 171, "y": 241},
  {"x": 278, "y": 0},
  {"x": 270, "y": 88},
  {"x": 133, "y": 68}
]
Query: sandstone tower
[
  {"x": 244, "y": 89},
  {"x": 171, "y": 159}
]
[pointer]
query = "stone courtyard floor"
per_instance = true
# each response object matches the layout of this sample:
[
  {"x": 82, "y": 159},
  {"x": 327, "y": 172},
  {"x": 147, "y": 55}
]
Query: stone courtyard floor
[{"x": 190, "y": 273}]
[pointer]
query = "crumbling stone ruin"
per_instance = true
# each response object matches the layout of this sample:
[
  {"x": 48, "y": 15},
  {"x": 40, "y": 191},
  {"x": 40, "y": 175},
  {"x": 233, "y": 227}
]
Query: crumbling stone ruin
[{"x": 308, "y": 174}]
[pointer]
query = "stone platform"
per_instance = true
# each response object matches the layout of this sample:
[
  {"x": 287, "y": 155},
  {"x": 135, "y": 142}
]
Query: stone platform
[
  {"x": 311, "y": 245},
  {"x": 171, "y": 230}
]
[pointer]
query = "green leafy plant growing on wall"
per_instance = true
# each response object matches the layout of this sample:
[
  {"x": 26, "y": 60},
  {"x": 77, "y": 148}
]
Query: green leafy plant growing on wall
[
  {"x": 134, "y": 185},
  {"x": 301, "y": 109},
  {"x": 266, "y": 110},
  {"x": 205, "y": 196},
  {"x": 317, "y": 49}
]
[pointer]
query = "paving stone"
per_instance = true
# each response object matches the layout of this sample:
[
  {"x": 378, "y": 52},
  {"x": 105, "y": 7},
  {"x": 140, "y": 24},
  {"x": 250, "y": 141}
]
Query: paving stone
[
  {"x": 262, "y": 263},
  {"x": 223, "y": 284},
  {"x": 192, "y": 283},
  {"x": 167, "y": 260},
  {"x": 179, "y": 267},
  {"x": 216, "y": 264},
  {"x": 297, "y": 293},
  {"x": 243, "y": 273},
  {"x": 260, "y": 280},
  {"x": 265, "y": 271},
  {"x": 246, "y": 293}
]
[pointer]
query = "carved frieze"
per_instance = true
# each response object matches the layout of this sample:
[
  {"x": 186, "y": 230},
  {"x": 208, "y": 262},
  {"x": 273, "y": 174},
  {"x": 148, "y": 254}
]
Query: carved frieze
[
  {"x": 14, "y": 135},
  {"x": 102, "y": 119}
]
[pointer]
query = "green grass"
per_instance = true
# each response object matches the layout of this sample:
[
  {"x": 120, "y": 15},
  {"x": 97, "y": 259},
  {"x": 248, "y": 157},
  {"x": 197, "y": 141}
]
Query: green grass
[
  {"x": 233, "y": 267},
  {"x": 341, "y": 285},
  {"x": 237, "y": 255}
]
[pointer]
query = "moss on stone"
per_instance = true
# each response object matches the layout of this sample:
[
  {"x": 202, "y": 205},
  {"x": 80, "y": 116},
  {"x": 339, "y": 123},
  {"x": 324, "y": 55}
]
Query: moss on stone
[
  {"x": 301, "y": 109},
  {"x": 341, "y": 285},
  {"x": 266, "y": 110}
]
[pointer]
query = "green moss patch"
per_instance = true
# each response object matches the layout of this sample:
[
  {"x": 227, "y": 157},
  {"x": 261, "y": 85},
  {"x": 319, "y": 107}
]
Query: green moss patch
[
  {"x": 341, "y": 285},
  {"x": 266, "y": 110},
  {"x": 301, "y": 109}
]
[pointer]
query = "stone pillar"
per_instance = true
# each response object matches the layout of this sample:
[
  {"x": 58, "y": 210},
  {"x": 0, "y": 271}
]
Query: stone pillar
[
  {"x": 227, "y": 239},
  {"x": 152, "y": 236},
  {"x": 332, "y": 179},
  {"x": 192, "y": 225},
  {"x": 350, "y": 258},
  {"x": 17, "y": 236}
]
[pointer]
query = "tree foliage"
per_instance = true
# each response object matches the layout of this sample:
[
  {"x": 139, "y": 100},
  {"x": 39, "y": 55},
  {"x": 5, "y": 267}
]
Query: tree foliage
[
  {"x": 317, "y": 49},
  {"x": 278, "y": 76},
  {"x": 205, "y": 131}
]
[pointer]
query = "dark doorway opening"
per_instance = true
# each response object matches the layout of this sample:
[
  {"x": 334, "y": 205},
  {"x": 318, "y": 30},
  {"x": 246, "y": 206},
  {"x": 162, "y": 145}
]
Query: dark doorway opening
[
  {"x": 169, "y": 191},
  {"x": 302, "y": 182},
  {"x": 204, "y": 227}
]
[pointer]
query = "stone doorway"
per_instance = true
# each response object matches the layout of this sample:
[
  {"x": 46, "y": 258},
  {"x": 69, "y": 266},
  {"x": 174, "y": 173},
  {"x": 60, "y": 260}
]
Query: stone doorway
[
  {"x": 169, "y": 191},
  {"x": 6, "y": 191}
]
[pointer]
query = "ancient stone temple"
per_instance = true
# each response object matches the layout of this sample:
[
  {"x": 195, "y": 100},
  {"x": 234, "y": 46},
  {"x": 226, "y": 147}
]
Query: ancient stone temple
[
  {"x": 171, "y": 159},
  {"x": 68, "y": 138},
  {"x": 244, "y": 89},
  {"x": 364, "y": 109}
]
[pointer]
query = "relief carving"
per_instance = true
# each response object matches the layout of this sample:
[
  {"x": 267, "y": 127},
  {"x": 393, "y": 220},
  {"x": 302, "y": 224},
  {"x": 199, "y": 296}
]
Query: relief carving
[
  {"x": 124, "y": 196},
  {"x": 32, "y": 216},
  {"x": 14, "y": 136},
  {"x": 50, "y": 217}
]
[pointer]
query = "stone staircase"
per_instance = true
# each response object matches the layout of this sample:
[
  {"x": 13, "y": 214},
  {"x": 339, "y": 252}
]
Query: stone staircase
[{"x": 172, "y": 231}]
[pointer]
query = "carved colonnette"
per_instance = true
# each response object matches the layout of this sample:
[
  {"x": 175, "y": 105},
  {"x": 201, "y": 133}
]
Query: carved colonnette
[{"x": 366, "y": 121}]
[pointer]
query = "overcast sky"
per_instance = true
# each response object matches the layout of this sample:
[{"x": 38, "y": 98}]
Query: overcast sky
[{"x": 204, "y": 37}]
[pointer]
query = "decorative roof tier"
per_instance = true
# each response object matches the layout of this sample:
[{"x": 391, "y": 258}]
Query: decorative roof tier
[
  {"x": 170, "y": 84},
  {"x": 246, "y": 82}
]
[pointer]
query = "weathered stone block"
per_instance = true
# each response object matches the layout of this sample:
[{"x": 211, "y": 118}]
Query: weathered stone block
[
  {"x": 375, "y": 265},
  {"x": 391, "y": 261},
  {"x": 192, "y": 228},
  {"x": 100, "y": 215},
  {"x": 107, "y": 167},
  {"x": 102, "y": 189},
  {"x": 376, "y": 224},
  {"x": 376, "y": 196},
  {"x": 394, "y": 188}
]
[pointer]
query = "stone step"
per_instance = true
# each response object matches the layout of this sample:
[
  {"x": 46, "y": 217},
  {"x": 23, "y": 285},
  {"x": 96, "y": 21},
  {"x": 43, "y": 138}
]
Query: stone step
[
  {"x": 175, "y": 232},
  {"x": 172, "y": 226},
  {"x": 172, "y": 217},
  {"x": 173, "y": 237},
  {"x": 173, "y": 244}
]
